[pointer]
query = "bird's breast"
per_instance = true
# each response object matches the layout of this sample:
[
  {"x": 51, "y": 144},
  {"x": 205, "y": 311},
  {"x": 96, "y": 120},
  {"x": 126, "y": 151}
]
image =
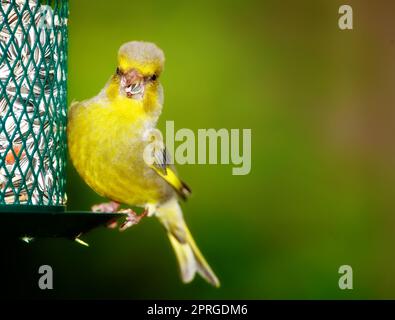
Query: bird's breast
[{"x": 106, "y": 147}]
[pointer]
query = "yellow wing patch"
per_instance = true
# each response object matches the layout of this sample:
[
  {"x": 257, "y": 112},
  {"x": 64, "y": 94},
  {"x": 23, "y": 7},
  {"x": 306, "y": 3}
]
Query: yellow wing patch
[{"x": 171, "y": 178}]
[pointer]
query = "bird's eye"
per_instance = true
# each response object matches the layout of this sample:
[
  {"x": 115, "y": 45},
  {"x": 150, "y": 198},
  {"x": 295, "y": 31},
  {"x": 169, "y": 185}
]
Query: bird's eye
[{"x": 153, "y": 77}]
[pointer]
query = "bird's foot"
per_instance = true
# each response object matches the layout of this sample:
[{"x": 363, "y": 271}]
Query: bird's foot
[
  {"x": 110, "y": 207},
  {"x": 132, "y": 219}
]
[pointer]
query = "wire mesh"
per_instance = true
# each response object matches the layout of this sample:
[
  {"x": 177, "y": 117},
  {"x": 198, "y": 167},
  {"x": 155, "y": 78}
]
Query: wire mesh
[{"x": 33, "y": 100}]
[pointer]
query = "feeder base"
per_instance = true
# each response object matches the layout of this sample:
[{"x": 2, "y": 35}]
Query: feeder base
[{"x": 43, "y": 224}]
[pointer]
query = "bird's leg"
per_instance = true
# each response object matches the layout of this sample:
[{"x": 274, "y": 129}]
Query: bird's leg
[
  {"x": 132, "y": 218},
  {"x": 110, "y": 207}
]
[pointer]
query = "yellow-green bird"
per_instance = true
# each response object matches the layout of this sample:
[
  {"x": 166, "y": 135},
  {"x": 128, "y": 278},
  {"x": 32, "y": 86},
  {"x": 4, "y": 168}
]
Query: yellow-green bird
[{"x": 116, "y": 148}]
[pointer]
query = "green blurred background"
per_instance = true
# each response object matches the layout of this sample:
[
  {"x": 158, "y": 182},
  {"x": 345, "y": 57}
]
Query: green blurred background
[{"x": 320, "y": 103}]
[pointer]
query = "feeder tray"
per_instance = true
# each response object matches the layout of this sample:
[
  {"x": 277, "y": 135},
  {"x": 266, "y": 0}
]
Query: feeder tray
[{"x": 33, "y": 221}]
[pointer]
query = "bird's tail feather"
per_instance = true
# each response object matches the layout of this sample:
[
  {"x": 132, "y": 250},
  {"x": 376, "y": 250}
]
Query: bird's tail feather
[{"x": 189, "y": 257}]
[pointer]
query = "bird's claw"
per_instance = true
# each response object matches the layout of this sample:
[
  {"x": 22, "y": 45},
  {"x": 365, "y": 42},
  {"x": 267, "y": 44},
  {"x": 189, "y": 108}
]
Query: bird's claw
[
  {"x": 112, "y": 224},
  {"x": 132, "y": 218},
  {"x": 110, "y": 207},
  {"x": 113, "y": 207}
]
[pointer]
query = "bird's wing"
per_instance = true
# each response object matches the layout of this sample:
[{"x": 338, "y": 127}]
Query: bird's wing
[{"x": 163, "y": 167}]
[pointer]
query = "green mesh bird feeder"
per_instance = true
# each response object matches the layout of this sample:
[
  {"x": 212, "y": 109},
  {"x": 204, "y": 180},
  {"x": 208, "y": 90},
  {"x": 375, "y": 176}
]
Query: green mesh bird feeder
[
  {"x": 33, "y": 114},
  {"x": 33, "y": 72}
]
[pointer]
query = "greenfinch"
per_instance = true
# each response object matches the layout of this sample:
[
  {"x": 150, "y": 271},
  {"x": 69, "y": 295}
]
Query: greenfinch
[{"x": 118, "y": 151}]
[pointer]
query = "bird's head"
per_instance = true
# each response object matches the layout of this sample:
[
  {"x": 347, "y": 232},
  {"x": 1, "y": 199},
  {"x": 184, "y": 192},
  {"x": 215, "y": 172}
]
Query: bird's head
[{"x": 139, "y": 67}]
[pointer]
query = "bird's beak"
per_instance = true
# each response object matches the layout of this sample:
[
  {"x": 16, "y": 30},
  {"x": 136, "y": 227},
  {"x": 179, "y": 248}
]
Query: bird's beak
[{"x": 132, "y": 82}]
